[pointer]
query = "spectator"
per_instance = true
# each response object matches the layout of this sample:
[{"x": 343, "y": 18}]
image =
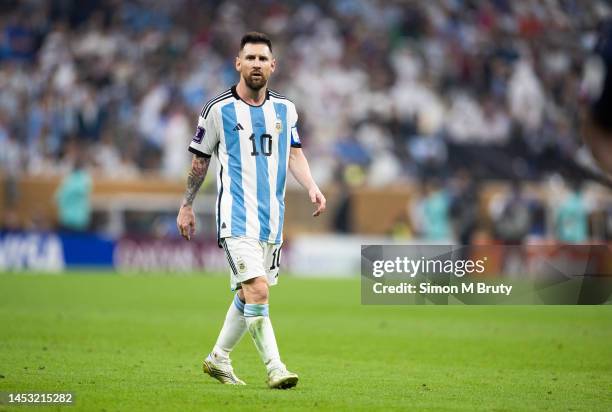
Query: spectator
[
  {"x": 513, "y": 223},
  {"x": 525, "y": 96},
  {"x": 464, "y": 207},
  {"x": 571, "y": 220},
  {"x": 73, "y": 200},
  {"x": 177, "y": 133},
  {"x": 433, "y": 213}
]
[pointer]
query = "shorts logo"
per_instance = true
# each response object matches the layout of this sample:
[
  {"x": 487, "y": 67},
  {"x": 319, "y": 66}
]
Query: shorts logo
[
  {"x": 241, "y": 266},
  {"x": 200, "y": 132}
]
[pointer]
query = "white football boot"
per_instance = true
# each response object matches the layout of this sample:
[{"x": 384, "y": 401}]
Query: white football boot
[
  {"x": 281, "y": 378},
  {"x": 221, "y": 370}
]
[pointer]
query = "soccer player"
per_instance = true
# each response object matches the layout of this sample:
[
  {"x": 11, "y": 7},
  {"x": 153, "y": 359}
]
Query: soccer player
[{"x": 252, "y": 132}]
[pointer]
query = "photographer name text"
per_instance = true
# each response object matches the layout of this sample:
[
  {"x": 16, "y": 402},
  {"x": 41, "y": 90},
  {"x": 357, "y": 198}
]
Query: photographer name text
[{"x": 428, "y": 288}]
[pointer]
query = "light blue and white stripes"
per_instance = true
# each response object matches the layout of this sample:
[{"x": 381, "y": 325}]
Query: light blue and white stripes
[
  {"x": 253, "y": 153},
  {"x": 256, "y": 309},
  {"x": 237, "y": 215},
  {"x": 258, "y": 125},
  {"x": 252, "y": 145},
  {"x": 281, "y": 174},
  {"x": 238, "y": 303}
]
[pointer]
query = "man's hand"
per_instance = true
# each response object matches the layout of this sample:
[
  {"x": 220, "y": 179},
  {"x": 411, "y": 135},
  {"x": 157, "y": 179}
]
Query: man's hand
[
  {"x": 298, "y": 165},
  {"x": 317, "y": 199},
  {"x": 185, "y": 221}
]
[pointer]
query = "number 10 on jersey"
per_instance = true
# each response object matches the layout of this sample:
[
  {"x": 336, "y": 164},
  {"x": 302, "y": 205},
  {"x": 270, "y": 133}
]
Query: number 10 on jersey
[{"x": 265, "y": 142}]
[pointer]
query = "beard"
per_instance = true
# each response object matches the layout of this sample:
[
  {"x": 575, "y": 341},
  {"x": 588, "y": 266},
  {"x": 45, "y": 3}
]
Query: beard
[{"x": 255, "y": 83}]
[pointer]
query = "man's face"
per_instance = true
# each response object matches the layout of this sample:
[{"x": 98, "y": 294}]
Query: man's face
[{"x": 255, "y": 64}]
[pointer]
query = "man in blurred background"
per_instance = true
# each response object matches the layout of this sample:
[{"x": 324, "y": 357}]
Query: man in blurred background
[
  {"x": 435, "y": 212},
  {"x": 73, "y": 200},
  {"x": 252, "y": 131},
  {"x": 571, "y": 220}
]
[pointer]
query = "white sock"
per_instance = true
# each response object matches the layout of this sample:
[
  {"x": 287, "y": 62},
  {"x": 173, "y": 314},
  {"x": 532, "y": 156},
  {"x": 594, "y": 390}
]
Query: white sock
[
  {"x": 233, "y": 330},
  {"x": 260, "y": 328}
]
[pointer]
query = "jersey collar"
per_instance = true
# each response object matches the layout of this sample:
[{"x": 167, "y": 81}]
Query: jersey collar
[{"x": 235, "y": 94}]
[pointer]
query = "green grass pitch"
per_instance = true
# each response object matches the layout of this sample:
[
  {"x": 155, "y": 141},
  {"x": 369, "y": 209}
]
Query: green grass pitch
[{"x": 135, "y": 343}]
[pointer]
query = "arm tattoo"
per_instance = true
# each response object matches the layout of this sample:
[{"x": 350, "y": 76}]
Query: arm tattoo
[{"x": 199, "y": 167}]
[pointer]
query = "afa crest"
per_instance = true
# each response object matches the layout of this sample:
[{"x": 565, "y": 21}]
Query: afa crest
[{"x": 241, "y": 266}]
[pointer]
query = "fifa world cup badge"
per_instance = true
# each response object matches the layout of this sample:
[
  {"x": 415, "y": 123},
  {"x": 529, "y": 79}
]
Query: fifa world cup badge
[{"x": 279, "y": 126}]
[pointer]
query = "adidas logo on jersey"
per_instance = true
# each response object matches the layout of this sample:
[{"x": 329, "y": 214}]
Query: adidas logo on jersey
[{"x": 238, "y": 127}]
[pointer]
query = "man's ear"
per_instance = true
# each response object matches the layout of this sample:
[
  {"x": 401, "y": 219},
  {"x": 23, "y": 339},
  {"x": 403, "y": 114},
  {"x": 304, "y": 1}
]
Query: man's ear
[
  {"x": 237, "y": 63},
  {"x": 273, "y": 64}
]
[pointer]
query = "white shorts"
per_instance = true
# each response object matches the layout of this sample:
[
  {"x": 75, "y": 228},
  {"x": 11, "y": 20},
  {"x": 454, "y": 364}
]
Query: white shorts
[{"x": 250, "y": 258}]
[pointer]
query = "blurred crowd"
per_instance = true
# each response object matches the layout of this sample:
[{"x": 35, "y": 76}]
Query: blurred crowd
[
  {"x": 465, "y": 209},
  {"x": 397, "y": 90},
  {"x": 394, "y": 87},
  {"x": 566, "y": 211}
]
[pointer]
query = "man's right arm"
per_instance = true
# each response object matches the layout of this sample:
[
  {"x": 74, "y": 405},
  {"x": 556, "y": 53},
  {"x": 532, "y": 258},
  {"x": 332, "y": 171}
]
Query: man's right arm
[
  {"x": 185, "y": 220},
  {"x": 202, "y": 146}
]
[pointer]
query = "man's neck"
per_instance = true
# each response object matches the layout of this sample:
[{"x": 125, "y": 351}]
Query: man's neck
[{"x": 250, "y": 96}]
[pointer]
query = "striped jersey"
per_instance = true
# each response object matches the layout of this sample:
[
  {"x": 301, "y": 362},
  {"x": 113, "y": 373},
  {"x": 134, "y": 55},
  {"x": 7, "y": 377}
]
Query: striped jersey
[{"x": 251, "y": 144}]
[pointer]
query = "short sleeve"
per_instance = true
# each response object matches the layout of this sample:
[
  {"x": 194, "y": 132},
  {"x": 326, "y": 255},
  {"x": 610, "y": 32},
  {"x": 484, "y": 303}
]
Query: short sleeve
[
  {"x": 206, "y": 135},
  {"x": 295, "y": 136}
]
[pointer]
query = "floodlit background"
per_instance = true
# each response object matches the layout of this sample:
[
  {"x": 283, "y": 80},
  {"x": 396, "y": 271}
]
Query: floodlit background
[{"x": 443, "y": 121}]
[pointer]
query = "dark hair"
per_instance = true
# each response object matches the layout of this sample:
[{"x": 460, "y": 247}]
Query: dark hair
[{"x": 255, "y": 37}]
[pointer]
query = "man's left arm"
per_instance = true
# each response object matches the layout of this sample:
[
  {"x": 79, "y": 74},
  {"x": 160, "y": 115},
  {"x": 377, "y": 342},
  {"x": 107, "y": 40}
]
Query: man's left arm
[{"x": 298, "y": 165}]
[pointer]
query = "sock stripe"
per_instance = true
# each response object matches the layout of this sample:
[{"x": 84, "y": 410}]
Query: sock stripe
[
  {"x": 255, "y": 309},
  {"x": 238, "y": 303}
]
